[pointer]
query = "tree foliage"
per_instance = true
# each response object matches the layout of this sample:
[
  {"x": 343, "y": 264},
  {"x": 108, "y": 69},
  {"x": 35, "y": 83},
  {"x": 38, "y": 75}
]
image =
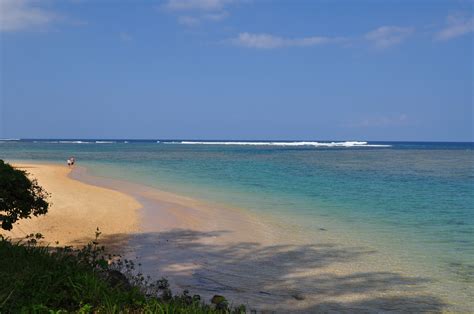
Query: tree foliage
[{"x": 20, "y": 197}]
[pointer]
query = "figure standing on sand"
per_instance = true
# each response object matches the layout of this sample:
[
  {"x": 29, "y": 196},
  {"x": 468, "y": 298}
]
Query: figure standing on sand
[{"x": 71, "y": 161}]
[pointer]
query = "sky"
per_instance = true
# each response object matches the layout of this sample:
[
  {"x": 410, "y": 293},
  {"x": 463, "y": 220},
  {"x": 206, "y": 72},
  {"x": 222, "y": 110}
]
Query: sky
[{"x": 237, "y": 69}]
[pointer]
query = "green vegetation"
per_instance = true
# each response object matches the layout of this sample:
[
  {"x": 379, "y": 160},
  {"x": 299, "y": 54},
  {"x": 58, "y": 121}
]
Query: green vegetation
[
  {"x": 38, "y": 279},
  {"x": 20, "y": 197}
]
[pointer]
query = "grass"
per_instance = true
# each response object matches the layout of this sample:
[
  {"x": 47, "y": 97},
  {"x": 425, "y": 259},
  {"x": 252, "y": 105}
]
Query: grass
[{"x": 38, "y": 279}]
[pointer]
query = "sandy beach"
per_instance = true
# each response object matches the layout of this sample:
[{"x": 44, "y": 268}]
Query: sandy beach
[
  {"x": 77, "y": 209},
  {"x": 211, "y": 250}
]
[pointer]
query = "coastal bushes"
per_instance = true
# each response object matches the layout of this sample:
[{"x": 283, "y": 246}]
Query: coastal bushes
[
  {"x": 38, "y": 279},
  {"x": 20, "y": 197}
]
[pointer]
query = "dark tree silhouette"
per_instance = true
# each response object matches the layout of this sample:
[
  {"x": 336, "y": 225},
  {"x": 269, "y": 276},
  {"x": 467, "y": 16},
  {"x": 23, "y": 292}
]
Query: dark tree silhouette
[{"x": 20, "y": 197}]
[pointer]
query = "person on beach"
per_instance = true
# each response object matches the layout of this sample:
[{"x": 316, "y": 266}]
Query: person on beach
[{"x": 71, "y": 161}]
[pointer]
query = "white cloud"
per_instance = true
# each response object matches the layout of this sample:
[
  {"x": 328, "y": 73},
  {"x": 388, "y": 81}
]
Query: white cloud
[
  {"x": 191, "y": 21},
  {"x": 266, "y": 41},
  {"x": 198, "y": 11},
  {"x": 387, "y": 36},
  {"x": 17, "y": 15},
  {"x": 202, "y": 5},
  {"x": 456, "y": 25},
  {"x": 382, "y": 37}
]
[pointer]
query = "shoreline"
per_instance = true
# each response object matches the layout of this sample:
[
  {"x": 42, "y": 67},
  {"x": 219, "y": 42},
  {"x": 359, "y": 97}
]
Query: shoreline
[
  {"x": 258, "y": 261},
  {"x": 211, "y": 250},
  {"x": 164, "y": 211}
]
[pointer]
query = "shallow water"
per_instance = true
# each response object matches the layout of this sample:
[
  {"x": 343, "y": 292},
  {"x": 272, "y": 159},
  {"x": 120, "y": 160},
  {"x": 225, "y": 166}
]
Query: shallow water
[{"x": 412, "y": 202}]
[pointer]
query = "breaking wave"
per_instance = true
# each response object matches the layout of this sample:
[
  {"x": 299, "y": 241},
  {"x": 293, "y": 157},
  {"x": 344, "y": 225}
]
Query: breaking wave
[
  {"x": 77, "y": 142},
  {"x": 73, "y": 142},
  {"x": 312, "y": 144}
]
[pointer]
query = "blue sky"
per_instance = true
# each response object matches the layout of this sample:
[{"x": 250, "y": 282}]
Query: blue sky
[{"x": 237, "y": 69}]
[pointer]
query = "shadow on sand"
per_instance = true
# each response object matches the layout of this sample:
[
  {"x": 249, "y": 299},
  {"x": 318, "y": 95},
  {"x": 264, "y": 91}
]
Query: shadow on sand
[{"x": 281, "y": 278}]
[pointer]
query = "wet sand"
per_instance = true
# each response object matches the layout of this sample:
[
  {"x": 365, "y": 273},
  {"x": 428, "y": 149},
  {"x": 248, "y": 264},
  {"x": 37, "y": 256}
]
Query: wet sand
[{"x": 262, "y": 262}]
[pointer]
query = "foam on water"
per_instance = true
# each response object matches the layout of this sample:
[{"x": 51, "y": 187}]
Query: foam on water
[
  {"x": 313, "y": 144},
  {"x": 72, "y": 142},
  {"x": 76, "y": 142}
]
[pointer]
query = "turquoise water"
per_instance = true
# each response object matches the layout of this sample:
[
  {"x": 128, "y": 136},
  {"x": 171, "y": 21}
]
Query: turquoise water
[{"x": 414, "y": 199}]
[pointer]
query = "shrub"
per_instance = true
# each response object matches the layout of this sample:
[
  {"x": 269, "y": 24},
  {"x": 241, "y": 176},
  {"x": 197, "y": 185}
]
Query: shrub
[
  {"x": 36, "y": 279},
  {"x": 20, "y": 197}
]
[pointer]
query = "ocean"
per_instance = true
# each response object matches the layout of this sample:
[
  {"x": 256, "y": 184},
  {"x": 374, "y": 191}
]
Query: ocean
[{"x": 410, "y": 200}]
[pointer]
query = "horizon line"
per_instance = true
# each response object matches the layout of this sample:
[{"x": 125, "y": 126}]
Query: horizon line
[{"x": 229, "y": 140}]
